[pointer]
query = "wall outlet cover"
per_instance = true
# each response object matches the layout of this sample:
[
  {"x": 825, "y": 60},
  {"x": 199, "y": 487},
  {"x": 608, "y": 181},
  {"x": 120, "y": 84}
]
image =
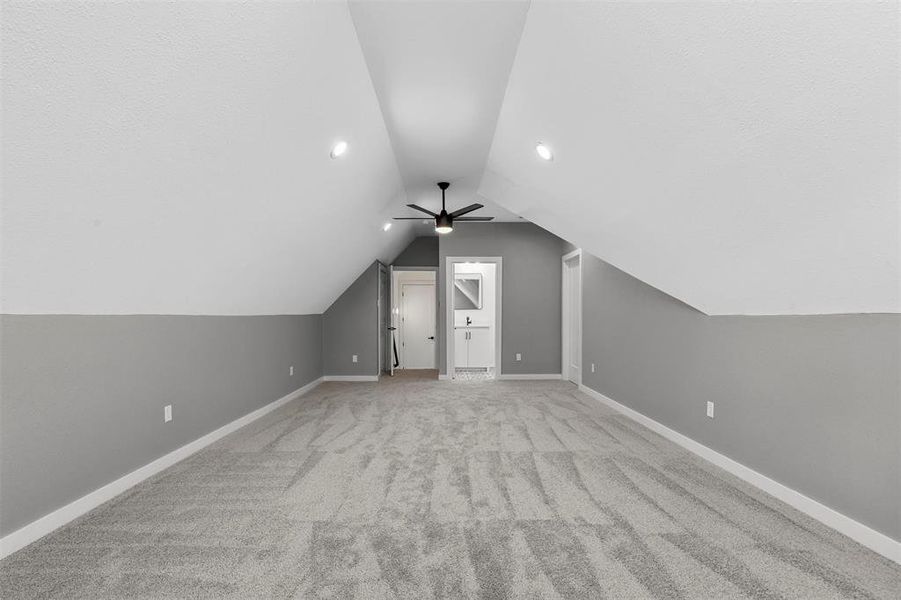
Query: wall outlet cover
[
  {"x": 518, "y": 356},
  {"x": 354, "y": 358}
]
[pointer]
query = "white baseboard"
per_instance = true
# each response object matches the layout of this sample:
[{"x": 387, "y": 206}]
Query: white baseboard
[
  {"x": 508, "y": 376},
  {"x": 444, "y": 377},
  {"x": 855, "y": 530},
  {"x": 351, "y": 378},
  {"x": 61, "y": 516}
]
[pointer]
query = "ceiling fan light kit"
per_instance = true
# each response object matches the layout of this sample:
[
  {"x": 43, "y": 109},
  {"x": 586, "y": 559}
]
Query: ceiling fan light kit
[{"x": 444, "y": 221}]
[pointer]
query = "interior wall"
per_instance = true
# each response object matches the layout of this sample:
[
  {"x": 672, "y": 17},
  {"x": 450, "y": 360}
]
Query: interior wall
[
  {"x": 530, "y": 283},
  {"x": 350, "y": 326},
  {"x": 422, "y": 252},
  {"x": 82, "y": 397},
  {"x": 813, "y": 402}
]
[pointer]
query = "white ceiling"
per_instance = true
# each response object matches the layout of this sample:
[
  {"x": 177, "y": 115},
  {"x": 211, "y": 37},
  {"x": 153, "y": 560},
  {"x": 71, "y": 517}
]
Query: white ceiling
[
  {"x": 440, "y": 70},
  {"x": 173, "y": 158},
  {"x": 740, "y": 157}
]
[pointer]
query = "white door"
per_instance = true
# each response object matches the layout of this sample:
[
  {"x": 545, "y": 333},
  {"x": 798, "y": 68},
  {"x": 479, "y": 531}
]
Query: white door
[{"x": 418, "y": 326}]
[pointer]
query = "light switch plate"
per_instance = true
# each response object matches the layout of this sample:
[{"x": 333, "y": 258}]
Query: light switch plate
[
  {"x": 710, "y": 409},
  {"x": 167, "y": 413},
  {"x": 518, "y": 356},
  {"x": 291, "y": 371}
]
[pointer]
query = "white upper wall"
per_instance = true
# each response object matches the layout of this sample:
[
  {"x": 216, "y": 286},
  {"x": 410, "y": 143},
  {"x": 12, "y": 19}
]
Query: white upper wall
[
  {"x": 173, "y": 158},
  {"x": 742, "y": 157}
]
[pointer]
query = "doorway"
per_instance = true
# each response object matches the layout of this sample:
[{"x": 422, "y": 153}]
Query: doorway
[
  {"x": 572, "y": 317},
  {"x": 473, "y": 318},
  {"x": 384, "y": 308},
  {"x": 415, "y": 318}
]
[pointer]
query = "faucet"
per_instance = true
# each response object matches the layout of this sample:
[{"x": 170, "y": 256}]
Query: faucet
[{"x": 468, "y": 321}]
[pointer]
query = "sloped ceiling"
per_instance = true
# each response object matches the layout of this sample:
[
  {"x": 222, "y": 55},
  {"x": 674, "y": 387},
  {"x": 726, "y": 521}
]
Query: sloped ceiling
[
  {"x": 440, "y": 70},
  {"x": 173, "y": 158},
  {"x": 742, "y": 157}
]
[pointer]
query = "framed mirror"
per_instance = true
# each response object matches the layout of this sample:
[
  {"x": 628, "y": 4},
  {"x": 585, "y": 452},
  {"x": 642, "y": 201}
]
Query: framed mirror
[{"x": 467, "y": 291}]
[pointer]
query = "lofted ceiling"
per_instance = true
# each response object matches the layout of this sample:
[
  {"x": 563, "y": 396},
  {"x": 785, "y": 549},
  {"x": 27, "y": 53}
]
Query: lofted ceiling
[
  {"x": 174, "y": 158},
  {"x": 742, "y": 157},
  {"x": 440, "y": 70}
]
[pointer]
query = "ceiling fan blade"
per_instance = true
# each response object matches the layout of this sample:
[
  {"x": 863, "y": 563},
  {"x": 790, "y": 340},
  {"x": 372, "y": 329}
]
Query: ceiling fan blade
[
  {"x": 473, "y": 219},
  {"x": 467, "y": 209},
  {"x": 425, "y": 210},
  {"x": 411, "y": 218}
]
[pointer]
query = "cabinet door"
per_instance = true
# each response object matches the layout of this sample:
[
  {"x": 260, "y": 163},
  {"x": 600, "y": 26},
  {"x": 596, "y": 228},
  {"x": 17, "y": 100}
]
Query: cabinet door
[
  {"x": 481, "y": 347},
  {"x": 461, "y": 347}
]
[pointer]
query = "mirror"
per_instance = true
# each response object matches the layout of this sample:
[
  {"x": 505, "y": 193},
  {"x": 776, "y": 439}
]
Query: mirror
[{"x": 467, "y": 291}]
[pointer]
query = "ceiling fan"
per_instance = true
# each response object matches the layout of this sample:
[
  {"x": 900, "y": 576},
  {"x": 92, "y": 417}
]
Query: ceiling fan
[{"x": 444, "y": 221}]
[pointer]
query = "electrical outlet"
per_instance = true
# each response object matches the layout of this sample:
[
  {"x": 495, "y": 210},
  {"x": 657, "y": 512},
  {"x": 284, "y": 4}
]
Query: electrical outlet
[
  {"x": 354, "y": 358},
  {"x": 592, "y": 367},
  {"x": 518, "y": 356},
  {"x": 291, "y": 371},
  {"x": 167, "y": 413},
  {"x": 710, "y": 409}
]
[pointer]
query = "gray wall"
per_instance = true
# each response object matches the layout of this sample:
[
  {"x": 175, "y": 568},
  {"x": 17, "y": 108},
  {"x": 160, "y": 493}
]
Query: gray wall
[
  {"x": 531, "y": 290},
  {"x": 422, "y": 252},
  {"x": 350, "y": 326},
  {"x": 813, "y": 402},
  {"x": 81, "y": 397}
]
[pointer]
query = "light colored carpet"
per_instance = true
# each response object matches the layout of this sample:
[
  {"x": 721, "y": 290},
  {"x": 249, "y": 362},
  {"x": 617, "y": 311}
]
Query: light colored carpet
[{"x": 432, "y": 489}]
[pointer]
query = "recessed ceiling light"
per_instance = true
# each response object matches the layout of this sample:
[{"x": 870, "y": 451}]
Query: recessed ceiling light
[
  {"x": 386, "y": 226},
  {"x": 544, "y": 152},
  {"x": 339, "y": 149}
]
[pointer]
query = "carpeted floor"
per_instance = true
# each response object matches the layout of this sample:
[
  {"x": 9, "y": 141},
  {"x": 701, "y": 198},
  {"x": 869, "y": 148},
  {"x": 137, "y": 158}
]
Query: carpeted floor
[{"x": 432, "y": 489}]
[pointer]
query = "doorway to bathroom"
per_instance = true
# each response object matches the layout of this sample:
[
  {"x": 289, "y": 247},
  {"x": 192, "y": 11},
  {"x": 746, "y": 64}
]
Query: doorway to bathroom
[{"x": 473, "y": 317}]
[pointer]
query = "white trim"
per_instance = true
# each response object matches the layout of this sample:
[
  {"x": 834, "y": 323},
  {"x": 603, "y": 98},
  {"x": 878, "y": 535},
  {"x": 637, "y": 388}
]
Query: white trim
[
  {"x": 350, "y": 378},
  {"x": 449, "y": 307},
  {"x": 61, "y": 516},
  {"x": 513, "y": 376},
  {"x": 444, "y": 377},
  {"x": 566, "y": 326},
  {"x": 382, "y": 332},
  {"x": 855, "y": 530}
]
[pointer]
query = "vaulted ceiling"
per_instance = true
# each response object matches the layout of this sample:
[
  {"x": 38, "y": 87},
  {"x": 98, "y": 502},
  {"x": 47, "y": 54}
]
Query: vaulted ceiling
[
  {"x": 174, "y": 158},
  {"x": 742, "y": 157}
]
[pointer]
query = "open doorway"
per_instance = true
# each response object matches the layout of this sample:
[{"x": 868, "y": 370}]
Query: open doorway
[
  {"x": 572, "y": 317},
  {"x": 414, "y": 316},
  {"x": 473, "y": 319}
]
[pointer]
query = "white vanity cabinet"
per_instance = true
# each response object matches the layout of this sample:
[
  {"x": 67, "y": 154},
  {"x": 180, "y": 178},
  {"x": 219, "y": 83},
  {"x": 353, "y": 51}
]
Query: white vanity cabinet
[{"x": 472, "y": 347}]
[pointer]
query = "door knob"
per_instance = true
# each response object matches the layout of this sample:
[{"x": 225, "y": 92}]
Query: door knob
[{"x": 431, "y": 337}]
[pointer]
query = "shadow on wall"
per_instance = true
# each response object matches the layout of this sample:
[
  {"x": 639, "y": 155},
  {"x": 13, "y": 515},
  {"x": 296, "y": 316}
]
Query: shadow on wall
[{"x": 810, "y": 401}]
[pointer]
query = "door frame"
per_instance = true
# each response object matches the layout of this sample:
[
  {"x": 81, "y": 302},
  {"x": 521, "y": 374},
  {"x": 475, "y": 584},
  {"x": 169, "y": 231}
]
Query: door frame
[
  {"x": 382, "y": 292},
  {"x": 403, "y": 319},
  {"x": 396, "y": 273},
  {"x": 450, "y": 261},
  {"x": 566, "y": 323}
]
